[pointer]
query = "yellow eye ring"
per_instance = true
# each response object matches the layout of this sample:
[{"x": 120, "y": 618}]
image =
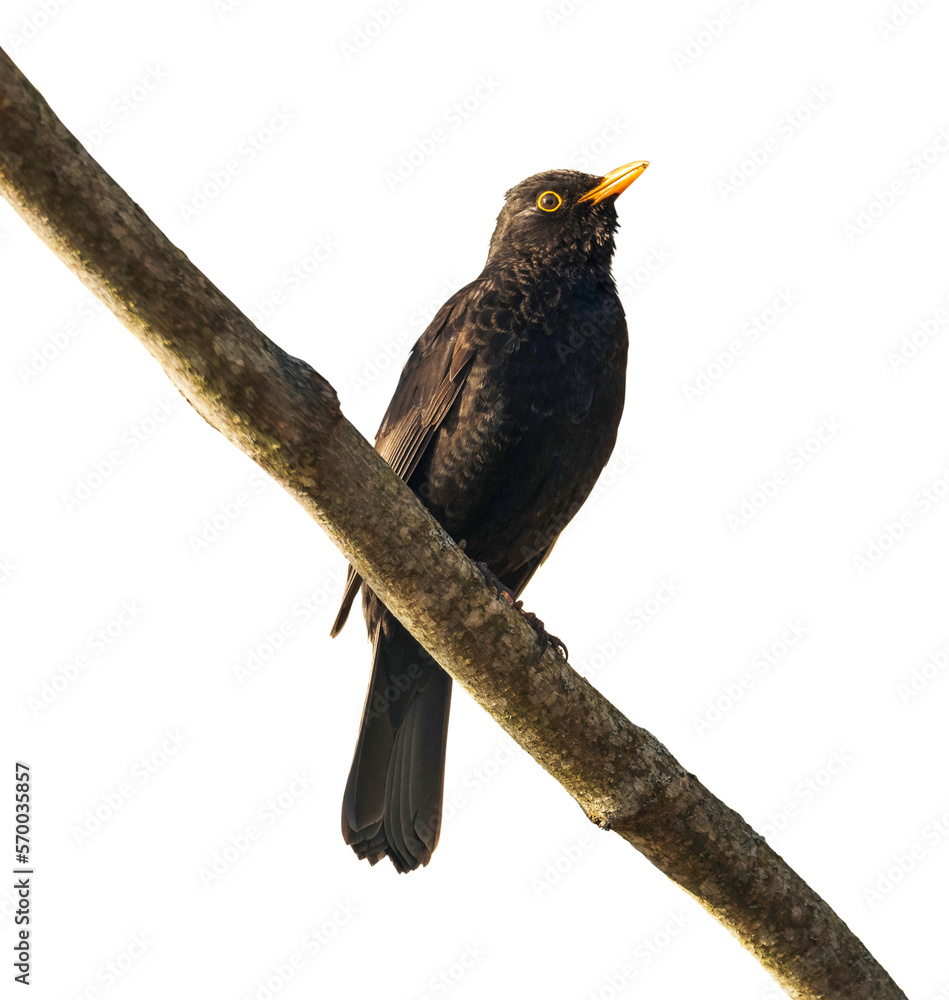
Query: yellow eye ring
[{"x": 549, "y": 201}]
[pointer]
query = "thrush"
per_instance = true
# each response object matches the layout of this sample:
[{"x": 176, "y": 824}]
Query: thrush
[{"x": 504, "y": 416}]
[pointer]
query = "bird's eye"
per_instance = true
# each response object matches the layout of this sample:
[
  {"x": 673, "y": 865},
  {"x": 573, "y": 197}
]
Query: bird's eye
[{"x": 549, "y": 201}]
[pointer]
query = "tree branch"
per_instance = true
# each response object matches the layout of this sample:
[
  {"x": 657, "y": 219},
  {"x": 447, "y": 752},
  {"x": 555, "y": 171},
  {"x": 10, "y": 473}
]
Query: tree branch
[{"x": 286, "y": 417}]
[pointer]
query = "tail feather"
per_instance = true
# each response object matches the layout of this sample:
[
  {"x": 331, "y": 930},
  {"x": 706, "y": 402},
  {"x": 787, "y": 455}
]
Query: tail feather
[
  {"x": 353, "y": 583},
  {"x": 393, "y": 800}
]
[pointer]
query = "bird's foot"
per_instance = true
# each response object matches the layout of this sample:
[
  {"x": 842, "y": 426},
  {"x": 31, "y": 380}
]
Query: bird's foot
[
  {"x": 546, "y": 639},
  {"x": 505, "y": 594}
]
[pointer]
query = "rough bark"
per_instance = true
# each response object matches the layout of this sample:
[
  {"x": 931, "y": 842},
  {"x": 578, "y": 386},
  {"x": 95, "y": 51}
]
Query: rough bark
[{"x": 286, "y": 417}]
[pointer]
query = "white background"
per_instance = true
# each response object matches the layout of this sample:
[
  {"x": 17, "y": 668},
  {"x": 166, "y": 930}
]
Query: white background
[{"x": 823, "y": 737}]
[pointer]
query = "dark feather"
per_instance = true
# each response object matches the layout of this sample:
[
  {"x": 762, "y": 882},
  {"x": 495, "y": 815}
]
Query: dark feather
[{"x": 429, "y": 384}]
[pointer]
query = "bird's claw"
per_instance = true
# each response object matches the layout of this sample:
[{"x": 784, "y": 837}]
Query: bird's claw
[
  {"x": 546, "y": 639},
  {"x": 505, "y": 594},
  {"x": 492, "y": 578}
]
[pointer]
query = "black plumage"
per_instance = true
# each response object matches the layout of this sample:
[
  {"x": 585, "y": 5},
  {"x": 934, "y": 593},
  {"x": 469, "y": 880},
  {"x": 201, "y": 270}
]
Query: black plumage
[{"x": 505, "y": 414}]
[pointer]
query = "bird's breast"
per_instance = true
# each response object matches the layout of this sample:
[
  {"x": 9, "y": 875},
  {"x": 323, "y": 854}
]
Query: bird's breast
[{"x": 533, "y": 425}]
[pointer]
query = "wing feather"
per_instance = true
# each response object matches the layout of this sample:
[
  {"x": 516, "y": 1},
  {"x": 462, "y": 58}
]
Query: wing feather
[{"x": 430, "y": 382}]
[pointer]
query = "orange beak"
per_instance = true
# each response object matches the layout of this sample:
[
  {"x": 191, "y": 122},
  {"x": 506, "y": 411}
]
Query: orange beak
[{"x": 616, "y": 181}]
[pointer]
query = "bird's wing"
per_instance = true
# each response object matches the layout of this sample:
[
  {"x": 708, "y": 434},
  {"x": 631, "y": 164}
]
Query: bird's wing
[
  {"x": 430, "y": 382},
  {"x": 518, "y": 580}
]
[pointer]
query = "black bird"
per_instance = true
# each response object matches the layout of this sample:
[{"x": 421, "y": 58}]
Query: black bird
[{"x": 504, "y": 416}]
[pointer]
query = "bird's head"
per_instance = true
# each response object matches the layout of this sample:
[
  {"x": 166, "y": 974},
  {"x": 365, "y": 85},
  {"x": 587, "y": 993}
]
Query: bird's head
[{"x": 561, "y": 217}]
